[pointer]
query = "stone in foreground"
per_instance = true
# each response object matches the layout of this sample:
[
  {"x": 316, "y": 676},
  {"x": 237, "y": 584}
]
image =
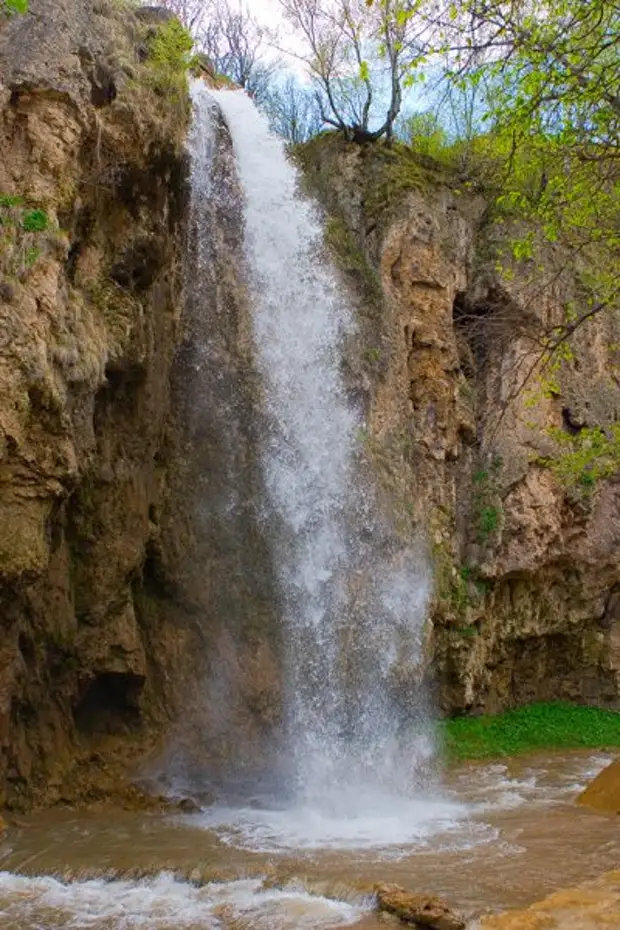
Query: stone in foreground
[
  {"x": 603, "y": 793},
  {"x": 591, "y": 906},
  {"x": 417, "y": 910}
]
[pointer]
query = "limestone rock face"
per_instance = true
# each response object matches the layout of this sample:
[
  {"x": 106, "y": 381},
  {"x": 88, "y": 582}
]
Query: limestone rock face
[
  {"x": 587, "y": 907},
  {"x": 603, "y": 792},
  {"x": 89, "y": 319},
  {"x": 417, "y": 910},
  {"x": 211, "y": 560},
  {"x": 526, "y": 570}
]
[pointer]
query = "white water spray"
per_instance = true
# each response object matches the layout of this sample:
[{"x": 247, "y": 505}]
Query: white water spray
[{"x": 353, "y": 595}]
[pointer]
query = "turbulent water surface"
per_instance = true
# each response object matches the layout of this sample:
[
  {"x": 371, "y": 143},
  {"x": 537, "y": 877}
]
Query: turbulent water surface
[{"x": 519, "y": 836}]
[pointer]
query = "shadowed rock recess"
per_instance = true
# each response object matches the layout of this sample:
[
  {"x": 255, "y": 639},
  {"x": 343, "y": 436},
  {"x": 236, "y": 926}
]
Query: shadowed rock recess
[{"x": 129, "y": 596}]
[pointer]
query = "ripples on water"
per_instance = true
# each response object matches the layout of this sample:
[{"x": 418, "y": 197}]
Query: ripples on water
[
  {"x": 503, "y": 835},
  {"x": 163, "y": 903}
]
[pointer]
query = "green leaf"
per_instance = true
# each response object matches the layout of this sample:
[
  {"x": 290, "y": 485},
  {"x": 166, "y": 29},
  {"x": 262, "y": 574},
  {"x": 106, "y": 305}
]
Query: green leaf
[
  {"x": 32, "y": 256},
  {"x": 10, "y": 200},
  {"x": 14, "y": 6}
]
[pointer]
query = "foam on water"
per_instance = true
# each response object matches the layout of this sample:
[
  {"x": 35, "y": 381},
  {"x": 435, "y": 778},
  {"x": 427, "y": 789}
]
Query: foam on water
[
  {"x": 393, "y": 826},
  {"x": 477, "y": 847},
  {"x": 163, "y": 903},
  {"x": 366, "y": 822}
]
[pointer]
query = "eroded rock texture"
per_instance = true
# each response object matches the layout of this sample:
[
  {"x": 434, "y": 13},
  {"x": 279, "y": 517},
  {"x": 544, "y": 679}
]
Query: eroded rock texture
[
  {"x": 135, "y": 586},
  {"x": 587, "y": 907},
  {"x": 89, "y": 322},
  {"x": 417, "y": 910},
  {"x": 526, "y": 570}
]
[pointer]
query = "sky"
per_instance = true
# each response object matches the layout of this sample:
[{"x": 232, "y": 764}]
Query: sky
[{"x": 268, "y": 12}]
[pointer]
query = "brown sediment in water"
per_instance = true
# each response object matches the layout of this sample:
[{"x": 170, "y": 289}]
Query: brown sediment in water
[{"x": 524, "y": 845}]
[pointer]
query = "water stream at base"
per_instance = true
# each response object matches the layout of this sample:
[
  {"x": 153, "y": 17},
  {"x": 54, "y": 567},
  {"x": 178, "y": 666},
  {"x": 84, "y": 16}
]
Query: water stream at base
[{"x": 521, "y": 838}]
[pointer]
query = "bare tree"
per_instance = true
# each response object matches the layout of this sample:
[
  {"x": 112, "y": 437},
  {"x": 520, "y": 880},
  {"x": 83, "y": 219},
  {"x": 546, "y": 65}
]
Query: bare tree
[
  {"x": 293, "y": 111},
  {"x": 237, "y": 46},
  {"x": 190, "y": 12},
  {"x": 358, "y": 54}
]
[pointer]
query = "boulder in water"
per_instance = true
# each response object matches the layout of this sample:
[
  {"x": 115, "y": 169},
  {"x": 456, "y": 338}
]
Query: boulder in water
[
  {"x": 592, "y": 906},
  {"x": 603, "y": 793},
  {"x": 418, "y": 910}
]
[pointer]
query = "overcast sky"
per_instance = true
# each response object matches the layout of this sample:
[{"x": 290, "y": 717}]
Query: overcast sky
[{"x": 268, "y": 12}]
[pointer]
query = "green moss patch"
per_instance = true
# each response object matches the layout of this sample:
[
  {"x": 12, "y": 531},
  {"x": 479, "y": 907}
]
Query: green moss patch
[{"x": 555, "y": 725}]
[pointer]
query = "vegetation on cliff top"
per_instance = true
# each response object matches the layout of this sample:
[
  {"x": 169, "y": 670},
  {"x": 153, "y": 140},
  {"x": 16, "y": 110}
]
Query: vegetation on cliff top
[
  {"x": 541, "y": 726},
  {"x": 170, "y": 59}
]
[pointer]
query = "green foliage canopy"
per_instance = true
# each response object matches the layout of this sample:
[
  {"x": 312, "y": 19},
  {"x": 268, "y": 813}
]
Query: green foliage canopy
[{"x": 553, "y": 118}]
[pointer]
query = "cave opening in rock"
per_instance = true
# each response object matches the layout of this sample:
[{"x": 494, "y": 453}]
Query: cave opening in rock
[{"x": 110, "y": 704}]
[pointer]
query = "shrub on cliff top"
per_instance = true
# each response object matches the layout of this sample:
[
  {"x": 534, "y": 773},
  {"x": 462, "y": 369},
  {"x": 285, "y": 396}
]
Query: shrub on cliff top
[{"x": 170, "y": 59}]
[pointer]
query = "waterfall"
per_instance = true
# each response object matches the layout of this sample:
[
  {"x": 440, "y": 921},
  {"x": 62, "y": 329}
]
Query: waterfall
[{"x": 352, "y": 594}]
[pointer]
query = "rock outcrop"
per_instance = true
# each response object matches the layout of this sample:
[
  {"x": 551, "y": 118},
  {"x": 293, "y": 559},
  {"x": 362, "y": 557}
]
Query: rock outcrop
[
  {"x": 587, "y": 907},
  {"x": 603, "y": 792},
  {"x": 417, "y": 910},
  {"x": 135, "y": 585},
  {"x": 527, "y": 571},
  {"x": 92, "y": 177}
]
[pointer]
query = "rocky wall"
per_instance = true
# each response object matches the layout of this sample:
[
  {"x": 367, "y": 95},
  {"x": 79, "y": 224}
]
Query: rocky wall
[
  {"x": 93, "y": 178},
  {"x": 527, "y": 570}
]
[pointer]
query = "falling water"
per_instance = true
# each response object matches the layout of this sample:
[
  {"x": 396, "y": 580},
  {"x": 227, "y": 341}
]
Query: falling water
[{"x": 353, "y": 595}]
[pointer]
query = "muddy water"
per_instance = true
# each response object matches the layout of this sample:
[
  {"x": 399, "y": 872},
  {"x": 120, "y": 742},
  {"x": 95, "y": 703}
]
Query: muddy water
[{"x": 501, "y": 835}]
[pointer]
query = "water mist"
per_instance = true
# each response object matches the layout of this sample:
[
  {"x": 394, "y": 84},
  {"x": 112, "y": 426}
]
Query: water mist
[{"x": 353, "y": 595}]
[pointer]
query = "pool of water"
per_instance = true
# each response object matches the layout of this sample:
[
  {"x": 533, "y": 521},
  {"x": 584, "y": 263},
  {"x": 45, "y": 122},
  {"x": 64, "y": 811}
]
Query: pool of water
[{"x": 493, "y": 836}]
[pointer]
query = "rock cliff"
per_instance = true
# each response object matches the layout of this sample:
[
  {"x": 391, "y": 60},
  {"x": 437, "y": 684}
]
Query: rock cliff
[
  {"x": 135, "y": 586},
  {"x": 127, "y": 441},
  {"x": 527, "y": 570},
  {"x": 92, "y": 176}
]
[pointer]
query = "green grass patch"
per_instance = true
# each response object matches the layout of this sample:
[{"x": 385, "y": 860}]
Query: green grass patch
[{"x": 555, "y": 725}]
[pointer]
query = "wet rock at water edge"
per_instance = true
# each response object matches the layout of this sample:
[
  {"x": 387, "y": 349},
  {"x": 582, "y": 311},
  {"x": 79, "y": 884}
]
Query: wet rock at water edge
[
  {"x": 189, "y": 806},
  {"x": 417, "y": 910},
  {"x": 603, "y": 792}
]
